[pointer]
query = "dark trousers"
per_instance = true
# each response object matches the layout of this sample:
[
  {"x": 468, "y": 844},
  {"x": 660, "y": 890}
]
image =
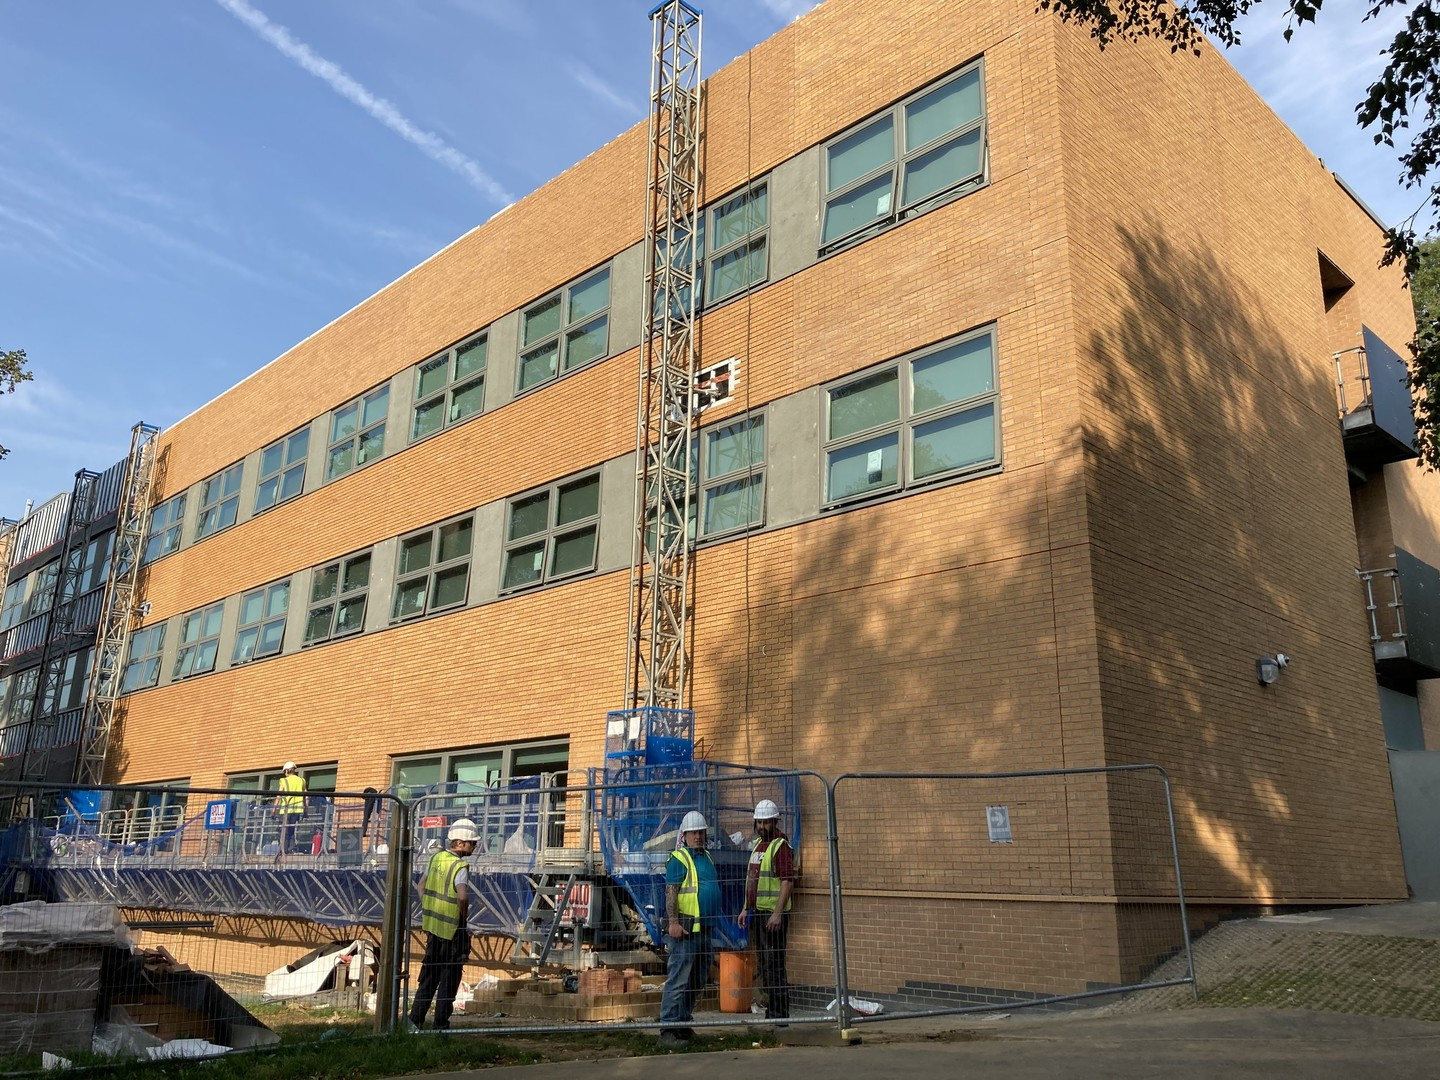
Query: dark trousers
[
  {"x": 687, "y": 973},
  {"x": 770, "y": 957},
  {"x": 440, "y": 973},
  {"x": 287, "y": 832}
]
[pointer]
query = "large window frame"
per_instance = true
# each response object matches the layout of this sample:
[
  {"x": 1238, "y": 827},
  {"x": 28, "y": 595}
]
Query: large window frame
[
  {"x": 95, "y": 562},
  {"x": 199, "y": 644},
  {"x": 568, "y": 517},
  {"x": 849, "y": 182},
  {"x": 580, "y": 323},
  {"x": 732, "y": 464},
  {"x": 339, "y": 597},
  {"x": 142, "y": 664},
  {"x": 357, "y": 433},
  {"x": 260, "y": 631},
  {"x": 923, "y": 414},
  {"x": 450, "y": 387},
  {"x": 220, "y": 501},
  {"x": 738, "y": 228},
  {"x": 432, "y": 569},
  {"x": 282, "y": 470},
  {"x": 163, "y": 536}
]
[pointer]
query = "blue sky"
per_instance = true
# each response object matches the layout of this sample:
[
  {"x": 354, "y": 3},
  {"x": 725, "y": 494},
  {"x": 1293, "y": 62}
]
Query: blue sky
[{"x": 190, "y": 187}]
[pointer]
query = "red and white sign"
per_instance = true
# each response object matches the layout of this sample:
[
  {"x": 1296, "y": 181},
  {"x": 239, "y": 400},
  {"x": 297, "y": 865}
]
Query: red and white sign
[
  {"x": 576, "y": 905},
  {"x": 431, "y": 822}
]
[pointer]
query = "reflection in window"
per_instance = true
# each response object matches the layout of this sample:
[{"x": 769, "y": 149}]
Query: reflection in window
[
  {"x": 261, "y": 630},
  {"x": 338, "y": 595},
  {"x": 282, "y": 470},
  {"x": 434, "y": 569},
  {"x": 219, "y": 501},
  {"x": 142, "y": 669},
  {"x": 732, "y": 476},
  {"x": 357, "y": 433},
  {"x": 199, "y": 641},
  {"x": 565, "y": 331},
  {"x": 552, "y": 533},
  {"x": 449, "y": 388}
]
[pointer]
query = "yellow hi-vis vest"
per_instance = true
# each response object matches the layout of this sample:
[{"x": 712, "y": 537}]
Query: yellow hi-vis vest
[
  {"x": 440, "y": 906},
  {"x": 767, "y": 885},
  {"x": 688, "y": 900},
  {"x": 292, "y": 802}
]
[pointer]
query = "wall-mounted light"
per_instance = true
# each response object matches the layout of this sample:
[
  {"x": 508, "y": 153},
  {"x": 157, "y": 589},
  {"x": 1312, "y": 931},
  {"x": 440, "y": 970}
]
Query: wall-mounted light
[{"x": 1267, "y": 668}]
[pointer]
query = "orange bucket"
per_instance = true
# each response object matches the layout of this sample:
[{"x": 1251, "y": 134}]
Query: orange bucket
[{"x": 737, "y": 973}]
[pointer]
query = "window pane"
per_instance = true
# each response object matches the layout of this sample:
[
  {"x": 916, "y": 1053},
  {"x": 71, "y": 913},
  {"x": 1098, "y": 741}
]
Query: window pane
[
  {"x": 271, "y": 459},
  {"x": 738, "y": 270},
  {"x": 866, "y": 466},
  {"x": 352, "y": 615},
  {"x": 865, "y": 403},
  {"x": 205, "y": 656},
  {"x": 470, "y": 358},
  {"x": 587, "y": 343},
  {"x": 867, "y": 203},
  {"x": 293, "y": 483},
  {"x": 534, "y": 759},
  {"x": 449, "y": 587},
  {"x": 421, "y": 773},
  {"x": 953, "y": 442},
  {"x": 467, "y": 400},
  {"x": 357, "y": 573},
  {"x": 252, "y": 607},
  {"x": 228, "y": 509},
  {"x": 322, "y": 582},
  {"x": 245, "y": 644},
  {"x": 739, "y": 217},
  {"x": 428, "y": 417},
  {"x": 477, "y": 769},
  {"x": 944, "y": 109},
  {"x": 231, "y": 479},
  {"x": 523, "y": 565},
  {"x": 375, "y": 407},
  {"x": 855, "y": 155},
  {"x": 738, "y": 446},
  {"x": 455, "y": 540},
  {"x": 734, "y": 505},
  {"x": 344, "y": 422},
  {"x": 410, "y": 597},
  {"x": 528, "y": 516},
  {"x": 541, "y": 321},
  {"x": 432, "y": 376},
  {"x": 267, "y": 493},
  {"x": 341, "y": 461},
  {"x": 578, "y": 501},
  {"x": 574, "y": 552},
  {"x": 372, "y": 445},
  {"x": 318, "y": 625},
  {"x": 415, "y": 553},
  {"x": 212, "y": 620},
  {"x": 277, "y": 601},
  {"x": 298, "y": 447},
  {"x": 953, "y": 374},
  {"x": 590, "y": 296},
  {"x": 539, "y": 365},
  {"x": 947, "y": 164},
  {"x": 272, "y": 634}
]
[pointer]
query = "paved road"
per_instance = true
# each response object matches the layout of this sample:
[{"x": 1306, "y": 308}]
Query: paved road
[{"x": 1180, "y": 1043}]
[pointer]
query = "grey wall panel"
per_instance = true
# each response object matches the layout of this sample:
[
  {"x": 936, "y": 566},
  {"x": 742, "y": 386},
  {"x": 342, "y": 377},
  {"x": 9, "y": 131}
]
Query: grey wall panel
[
  {"x": 627, "y": 298},
  {"x": 617, "y": 513},
  {"x": 1416, "y": 779},
  {"x": 794, "y": 214},
  {"x": 792, "y": 458},
  {"x": 382, "y": 584},
  {"x": 489, "y": 551},
  {"x": 501, "y": 358}
]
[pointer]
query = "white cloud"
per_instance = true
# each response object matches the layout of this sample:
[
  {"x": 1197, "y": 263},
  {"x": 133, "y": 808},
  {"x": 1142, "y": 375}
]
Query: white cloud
[
  {"x": 789, "y": 10},
  {"x": 385, "y": 112},
  {"x": 601, "y": 89}
]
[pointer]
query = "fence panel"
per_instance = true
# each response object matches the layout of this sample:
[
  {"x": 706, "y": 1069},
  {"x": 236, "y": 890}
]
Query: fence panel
[{"x": 970, "y": 892}]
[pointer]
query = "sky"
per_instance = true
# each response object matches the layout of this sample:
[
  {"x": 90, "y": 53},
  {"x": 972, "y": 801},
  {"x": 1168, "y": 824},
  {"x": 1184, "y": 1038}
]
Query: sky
[{"x": 188, "y": 188}]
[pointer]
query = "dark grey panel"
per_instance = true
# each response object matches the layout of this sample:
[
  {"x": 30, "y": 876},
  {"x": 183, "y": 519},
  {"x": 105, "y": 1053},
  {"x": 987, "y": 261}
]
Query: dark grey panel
[
  {"x": 1420, "y": 591},
  {"x": 1389, "y": 389}
]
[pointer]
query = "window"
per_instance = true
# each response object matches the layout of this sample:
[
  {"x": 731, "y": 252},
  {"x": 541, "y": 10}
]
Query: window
[
  {"x": 10, "y": 613},
  {"x": 219, "y": 501},
  {"x": 261, "y": 630},
  {"x": 732, "y": 476},
  {"x": 319, "y": 777},
  {"x": 163, "y": 536},
  {"x": 338, "y": 593},
  {"x": 927, "y": 148},
  {"x": 434, "y": 569},
  {"x": 566, "y": 330},
  {"x": 922, "y": 419},
  {"x": 143, "y": 667},
  {"x": 738, "y": 231},
  {"x": 41, "y": 594},
  {"x": 282, "y": 470},
  {"x": 199, "y": 641},
  {"x": 22, "y": 696},
  {"x": 552, "y": 533},
  {"x": 357, "y": 433},
  {"x": 449, "y": 388},
  {"x": 95, "y": 566},
  {"x": 74, "y": 685},
  {"x": 140, "y": 815}
]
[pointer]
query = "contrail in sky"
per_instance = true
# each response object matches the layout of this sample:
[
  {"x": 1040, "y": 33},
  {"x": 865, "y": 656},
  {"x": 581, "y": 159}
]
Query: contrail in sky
[{"x": 334, "y": 76}]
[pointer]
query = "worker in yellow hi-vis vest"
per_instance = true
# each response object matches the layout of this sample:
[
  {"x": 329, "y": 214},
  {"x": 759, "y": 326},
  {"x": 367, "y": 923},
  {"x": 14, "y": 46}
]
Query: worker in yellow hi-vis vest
[
  {"x": 769, "y": 885},
  {"x": 290, "y": 806},
  {"x": 692, "y": 908},
  {"x": 444, "y": 907}
]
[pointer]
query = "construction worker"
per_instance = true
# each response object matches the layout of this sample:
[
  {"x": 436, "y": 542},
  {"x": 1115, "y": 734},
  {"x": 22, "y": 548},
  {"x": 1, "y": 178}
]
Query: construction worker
[
  {"x": 290, "y": 806},
  {"x": 692, "y": 905},
  {"x": 444, "y": 908},
  {"x": 769, "y": 883}
]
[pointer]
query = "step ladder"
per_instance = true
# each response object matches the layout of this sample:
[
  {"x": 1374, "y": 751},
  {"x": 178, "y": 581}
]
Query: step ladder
[{"x": 541, "y": 928}]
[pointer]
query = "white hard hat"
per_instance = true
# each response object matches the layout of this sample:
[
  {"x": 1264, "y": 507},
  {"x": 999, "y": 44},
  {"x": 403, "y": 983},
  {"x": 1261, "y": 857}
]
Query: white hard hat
[
  {"x": 694, "y": 822},
  {"x": 766, "y": 810},
  {"x": 289, "y": 766},
  {"x": 463, "y": 829}
]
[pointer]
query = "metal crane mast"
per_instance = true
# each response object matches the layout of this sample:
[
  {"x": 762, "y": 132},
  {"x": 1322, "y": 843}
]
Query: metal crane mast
[
  {"x": 660, "y": 562},
  {"x": 117, "y": 609}
]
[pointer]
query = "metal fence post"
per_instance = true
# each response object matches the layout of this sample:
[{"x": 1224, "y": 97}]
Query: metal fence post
[
  {"x": 395, "y": 929},
  {"x": 1180, "y": 886},
  {"x": 837, "y": 915}
]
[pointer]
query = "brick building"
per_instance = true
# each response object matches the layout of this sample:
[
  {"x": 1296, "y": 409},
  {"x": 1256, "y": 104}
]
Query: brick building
[{"x": 1030, "y": 450}]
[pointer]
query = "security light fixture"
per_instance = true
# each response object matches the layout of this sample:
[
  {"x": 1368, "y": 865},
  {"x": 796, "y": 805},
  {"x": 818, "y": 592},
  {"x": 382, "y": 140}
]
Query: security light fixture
[{"x": 1267, "y": 668}]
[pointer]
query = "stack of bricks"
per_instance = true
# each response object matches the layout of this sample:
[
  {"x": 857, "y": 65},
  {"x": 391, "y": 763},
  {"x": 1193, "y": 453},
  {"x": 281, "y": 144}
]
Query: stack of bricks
[{"x": 48, "y": 999}]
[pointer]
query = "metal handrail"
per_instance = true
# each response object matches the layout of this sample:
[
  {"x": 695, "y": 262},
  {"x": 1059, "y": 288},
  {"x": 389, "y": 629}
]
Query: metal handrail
[
  {"x": 1396, "y": 603},
  {"x": 1362, "y": 377}
]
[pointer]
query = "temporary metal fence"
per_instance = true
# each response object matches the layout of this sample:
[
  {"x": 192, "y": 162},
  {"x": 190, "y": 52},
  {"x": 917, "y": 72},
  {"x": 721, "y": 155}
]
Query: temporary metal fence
[{"x": 913, "y": 895}]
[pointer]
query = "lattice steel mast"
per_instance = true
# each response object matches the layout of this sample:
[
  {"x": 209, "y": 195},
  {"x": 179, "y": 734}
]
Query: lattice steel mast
[
  {"x": 117, "y": 609},
  {"x": 660, "y": 562}
]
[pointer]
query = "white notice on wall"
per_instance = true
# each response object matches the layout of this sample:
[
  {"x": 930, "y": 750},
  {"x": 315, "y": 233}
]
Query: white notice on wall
[
  {"x": 874, "y": 465},
  {"x": 882, "y": 204},
  {"x": 998, "y": 820}
]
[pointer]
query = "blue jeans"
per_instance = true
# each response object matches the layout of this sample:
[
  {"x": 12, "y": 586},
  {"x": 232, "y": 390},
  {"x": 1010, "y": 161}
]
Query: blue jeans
[{"x": 685, "y": 979}]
